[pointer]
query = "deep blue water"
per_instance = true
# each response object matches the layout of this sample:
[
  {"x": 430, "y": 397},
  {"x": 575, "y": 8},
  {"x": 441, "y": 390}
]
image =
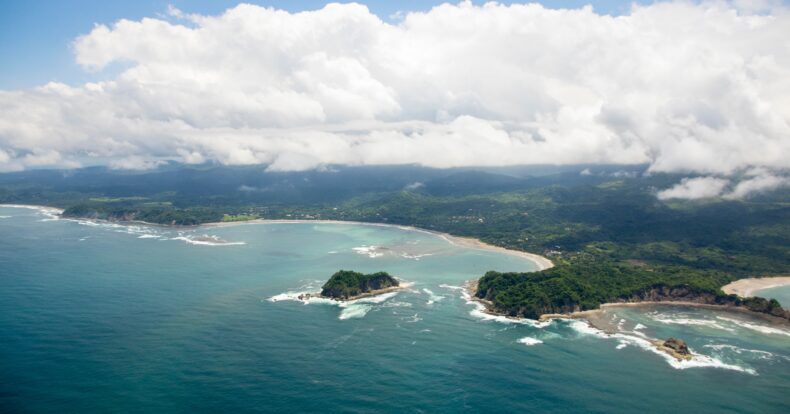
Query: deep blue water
[{"x": 111, "y": 318}]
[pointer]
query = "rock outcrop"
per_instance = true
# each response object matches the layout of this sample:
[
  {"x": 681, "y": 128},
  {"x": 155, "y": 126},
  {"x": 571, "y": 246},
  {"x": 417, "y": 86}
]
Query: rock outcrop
[
  {"x": 675, "y": 347},
  {"x": 347, "y": 285}
]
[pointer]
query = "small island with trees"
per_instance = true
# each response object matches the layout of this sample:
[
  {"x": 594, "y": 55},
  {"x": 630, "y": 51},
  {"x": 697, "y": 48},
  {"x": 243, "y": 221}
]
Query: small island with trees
[{"x": 350, "y": 285}]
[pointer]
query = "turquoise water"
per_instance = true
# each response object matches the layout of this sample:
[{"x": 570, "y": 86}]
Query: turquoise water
[
  {"x": 780, "y": 293},
  {"x": 113, "y": 318}
]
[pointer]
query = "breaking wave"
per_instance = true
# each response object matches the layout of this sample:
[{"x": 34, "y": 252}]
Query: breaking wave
[
  {"x": 689, "y": 321},
  {"x": 351, "y": 309},
  {"x": 755, "y": 327},
  {"x": 206, "y": 240},
  {"x": 479, "y": 311},
  {"x": 432, "y": 297},
  {"x": 624, "y": 340},
  {"x": 529, "y": 341}
]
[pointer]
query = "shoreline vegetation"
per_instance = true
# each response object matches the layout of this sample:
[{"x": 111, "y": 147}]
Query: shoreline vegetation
[
  {"x": 541, "y": 262},
  {"x": 742, "y": 288},
  {"x": 593, "y": 316}
]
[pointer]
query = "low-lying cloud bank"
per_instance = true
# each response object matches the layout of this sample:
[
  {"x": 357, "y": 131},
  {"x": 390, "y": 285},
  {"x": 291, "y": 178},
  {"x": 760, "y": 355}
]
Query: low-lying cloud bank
[
  {"x": 701, "y": 88},
  {"x": 753, "y": 182}
]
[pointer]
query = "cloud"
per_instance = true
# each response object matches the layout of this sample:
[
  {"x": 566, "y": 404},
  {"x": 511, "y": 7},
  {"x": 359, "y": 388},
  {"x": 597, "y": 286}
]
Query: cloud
[
  {"x": 682, "y": 86},
  {"x": 695, "y": 188},
  {"x": 753, "y": 182},
  {"x": 134, "y": 162},
  {"x": 761, "y": 183},
  {"x": 414, "y": 186}
]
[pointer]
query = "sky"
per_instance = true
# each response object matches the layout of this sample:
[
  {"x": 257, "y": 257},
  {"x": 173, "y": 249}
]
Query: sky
[
  {"x": 701, "y": 88},
  {"x": 35, "y": 36}
]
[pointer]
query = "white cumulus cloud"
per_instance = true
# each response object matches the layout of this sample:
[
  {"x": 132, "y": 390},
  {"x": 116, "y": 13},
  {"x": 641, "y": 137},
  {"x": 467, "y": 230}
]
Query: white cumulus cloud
[
  {"x": 760, "y": 183},
  {"x": 683, "y": 86},
  {"x": 695, "y": 188}
]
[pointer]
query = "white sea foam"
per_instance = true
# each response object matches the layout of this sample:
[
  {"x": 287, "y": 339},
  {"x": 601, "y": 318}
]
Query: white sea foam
[
  {"x": 696, "y": 361},
  {"x": 584, "y": 328},
  {"x": 355, "y": 311},
  {"x": 207, "y": 240},
  {"x": 479, "y": 312},
  {"x": 732, "y": 348},
  {"x": 529, "y": 341},
  {"x": 4, "y": 217},
  {"x": 149, "y": 236},
  {"x": 432, "y": 297},
  {"x": 51, "y": 213},
  {"x": 396, "y": 304},
  {"x": 412, "y": 319},
  {"x": 689, "y": 321},
  {"x": 639, "y": 326},
  {"x": 357, "y": 308},
  {"x": 451, "y": 287},
  {"x": 370, "y": 251},
  {"x": 755, "y": 327},
  {"x": 415, "y": 256}
]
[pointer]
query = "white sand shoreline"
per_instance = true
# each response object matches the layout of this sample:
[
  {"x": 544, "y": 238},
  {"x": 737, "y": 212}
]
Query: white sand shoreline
[
  {"x": 541, "y": 261},
  {"x": 747, "y": 287}
]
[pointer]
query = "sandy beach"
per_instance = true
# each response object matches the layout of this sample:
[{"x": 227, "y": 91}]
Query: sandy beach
[
  {"x": 542, "y": 262},
  {"x": 746, "y": 287}
]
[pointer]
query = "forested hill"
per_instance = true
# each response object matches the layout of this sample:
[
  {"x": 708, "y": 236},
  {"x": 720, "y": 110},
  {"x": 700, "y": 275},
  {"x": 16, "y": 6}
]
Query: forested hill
[{"x": 601, "y": 225}]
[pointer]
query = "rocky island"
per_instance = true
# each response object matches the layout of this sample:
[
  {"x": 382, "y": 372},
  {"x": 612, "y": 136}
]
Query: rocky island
[
  {"x": 350, "y": 285},
  {"x": 677, "y": 348}
]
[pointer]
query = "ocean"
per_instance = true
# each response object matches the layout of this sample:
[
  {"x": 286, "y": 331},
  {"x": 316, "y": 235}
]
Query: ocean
[{"x": 102, "y": 317}]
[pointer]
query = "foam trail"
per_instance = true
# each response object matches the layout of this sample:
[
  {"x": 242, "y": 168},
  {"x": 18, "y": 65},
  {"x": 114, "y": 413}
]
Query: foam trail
[
  {"x": 737, "y": 350},
  {"x": 349, "y": 309},
  {"x": 754, "y": 327},
  {"x": 370, "y": 251},
  {"x": 432, "y": 297},
  {"x": 689, "y": 321},
  {"x": 415, "y": 256},
  {"x": 207, "y": 241},
  {"x": 480, "y": 312},
  {"x": 355, "y": 311},
  {"x": 529, "y": 341},
  {"x": 697, "y": 360}
]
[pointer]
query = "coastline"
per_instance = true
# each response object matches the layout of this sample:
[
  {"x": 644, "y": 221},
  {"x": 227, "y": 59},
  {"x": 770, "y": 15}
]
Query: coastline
[
  {"x": 34, "y": 207},
  {"x": 595, "y": 317},
  {"x": 376, "y": 292},
  {"x": 542, "y": 262},
  {"x": 746, "y": 287},
  {"x": 741, "y": 287}
]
